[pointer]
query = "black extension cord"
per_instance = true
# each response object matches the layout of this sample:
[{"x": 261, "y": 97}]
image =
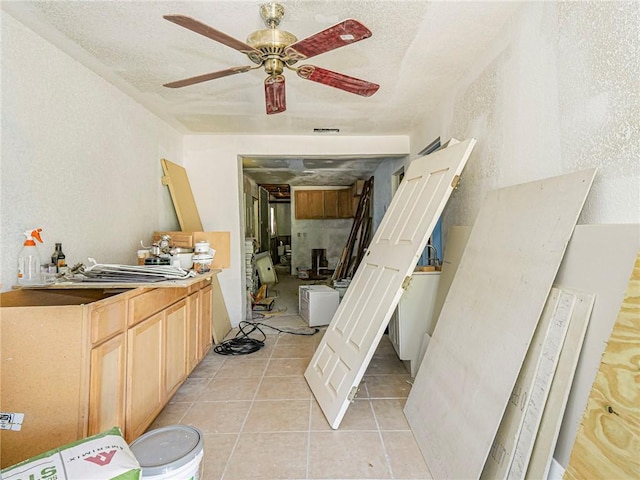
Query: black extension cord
[{"x": 243, "y": 344}]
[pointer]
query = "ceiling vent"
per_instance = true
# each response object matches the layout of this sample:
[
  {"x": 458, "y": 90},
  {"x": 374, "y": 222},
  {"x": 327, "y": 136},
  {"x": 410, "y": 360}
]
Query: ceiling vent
[{"x": 326, "y": 130}]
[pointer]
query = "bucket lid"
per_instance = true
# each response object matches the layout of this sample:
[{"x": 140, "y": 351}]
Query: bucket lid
[{"x": 166, "y": 449}]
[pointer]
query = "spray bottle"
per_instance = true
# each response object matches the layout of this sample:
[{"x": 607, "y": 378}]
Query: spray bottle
[{"x": 29, "y": 259}]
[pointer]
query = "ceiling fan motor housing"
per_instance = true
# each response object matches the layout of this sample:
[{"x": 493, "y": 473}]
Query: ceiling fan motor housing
[{"x": 271, "y": 41}]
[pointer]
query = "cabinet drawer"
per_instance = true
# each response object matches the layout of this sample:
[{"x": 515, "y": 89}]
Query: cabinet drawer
[
  {"x": 108, "y": 320},
  {"x": 153, "y": 301},
  {"x": 198, "y": 286}
]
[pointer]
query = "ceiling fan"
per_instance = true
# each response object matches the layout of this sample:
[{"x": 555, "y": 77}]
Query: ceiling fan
[{"x": 276, "y": 50}]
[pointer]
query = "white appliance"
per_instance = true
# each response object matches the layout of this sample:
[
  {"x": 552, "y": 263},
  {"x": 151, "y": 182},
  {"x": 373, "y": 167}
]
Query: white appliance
[
  {"x": 317, "y": 304},
  {"x": 414, "y": 318}
]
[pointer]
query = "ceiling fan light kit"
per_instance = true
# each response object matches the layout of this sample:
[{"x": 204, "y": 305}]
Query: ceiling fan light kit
[{"x": 276, "y": 50}]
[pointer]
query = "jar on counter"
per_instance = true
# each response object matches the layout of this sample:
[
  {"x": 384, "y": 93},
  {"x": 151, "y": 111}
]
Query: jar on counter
[{"x": 142, "y": 254}]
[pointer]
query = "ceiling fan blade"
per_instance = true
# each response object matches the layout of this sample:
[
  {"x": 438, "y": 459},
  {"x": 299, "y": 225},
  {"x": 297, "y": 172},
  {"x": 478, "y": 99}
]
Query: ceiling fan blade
[
  {"x": 207, "y": 76},
  {"x": 274, "y": 94},
  {"x": 341, "y": 34},
  {"x": 210, "y": 32},
  {"x": 338, "y": 80}
]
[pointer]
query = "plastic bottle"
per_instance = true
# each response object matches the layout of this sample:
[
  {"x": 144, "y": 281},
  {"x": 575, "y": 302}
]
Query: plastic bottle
[
  {"x": 29, "y": 259},
  {"x": 59, "y": 259}
]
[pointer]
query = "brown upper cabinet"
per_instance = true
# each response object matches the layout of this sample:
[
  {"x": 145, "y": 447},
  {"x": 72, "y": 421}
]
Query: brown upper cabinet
[{"x": 317, "y": 204}]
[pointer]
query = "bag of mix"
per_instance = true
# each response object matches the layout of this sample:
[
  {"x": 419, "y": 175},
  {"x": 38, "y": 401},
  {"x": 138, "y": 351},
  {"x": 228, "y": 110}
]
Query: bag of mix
[{"x": 105, "y": 456}]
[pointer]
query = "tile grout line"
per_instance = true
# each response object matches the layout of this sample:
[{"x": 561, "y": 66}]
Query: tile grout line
[
  {"x": 246, "y": 417},
  {"x": 309, "y": 437},
  {"x": 384, "y": 445}
]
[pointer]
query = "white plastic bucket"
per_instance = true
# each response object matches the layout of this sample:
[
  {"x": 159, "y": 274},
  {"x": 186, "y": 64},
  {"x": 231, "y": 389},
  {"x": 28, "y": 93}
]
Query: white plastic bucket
[{"x": 170, "y": 453}]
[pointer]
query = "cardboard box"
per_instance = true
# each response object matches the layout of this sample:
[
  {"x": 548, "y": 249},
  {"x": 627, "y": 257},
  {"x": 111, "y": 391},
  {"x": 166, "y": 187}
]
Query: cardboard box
[{"x": 104, "y": 456}]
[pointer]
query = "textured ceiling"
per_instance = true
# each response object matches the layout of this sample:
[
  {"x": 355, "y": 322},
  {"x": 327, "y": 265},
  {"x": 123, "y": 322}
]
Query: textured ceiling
[{"x": 417, "y": 50}]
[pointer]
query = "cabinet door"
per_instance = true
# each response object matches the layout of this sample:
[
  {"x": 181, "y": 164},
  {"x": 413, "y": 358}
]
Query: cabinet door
[
  {"x": 345, "y": 203},
  {"x": 175, "y": 347},
  {"x": 193, "y": 327},
  {"x": 309, "y": 204},
  {"x": 107, "y": 386},
  {"x": 330, "y": 204},
  {"x": 144, "y": 374},
  {"x": 205, "y": 338}
]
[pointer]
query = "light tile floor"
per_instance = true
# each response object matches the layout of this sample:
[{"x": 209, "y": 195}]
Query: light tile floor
[{"x": 261, "y": 421}]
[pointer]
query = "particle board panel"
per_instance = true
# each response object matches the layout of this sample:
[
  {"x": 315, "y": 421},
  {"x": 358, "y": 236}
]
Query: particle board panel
[
  {"x": 608, "y": 441},
  {"x": 221, "y": 322},
  {"x": 488, "y": 320},
  {"x": 26, "y": 346},
  {"x": 180, "y": 189},
  {"x": 221, "y": 243}
]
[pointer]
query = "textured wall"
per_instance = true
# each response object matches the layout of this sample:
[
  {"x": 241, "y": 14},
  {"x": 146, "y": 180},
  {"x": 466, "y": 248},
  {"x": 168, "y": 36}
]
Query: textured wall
[
  {"x": 382, "y": 186},
  {"x": 557, "y": 92},
  {"x": 79, "y": 158}
]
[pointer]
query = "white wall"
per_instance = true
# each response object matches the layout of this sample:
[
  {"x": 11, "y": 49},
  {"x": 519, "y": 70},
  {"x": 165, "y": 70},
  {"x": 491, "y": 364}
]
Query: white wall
[
  {"x": 80, "y": 159},
  {"x": 216, "y": 182},
  {"x": 556, "y": 93}
]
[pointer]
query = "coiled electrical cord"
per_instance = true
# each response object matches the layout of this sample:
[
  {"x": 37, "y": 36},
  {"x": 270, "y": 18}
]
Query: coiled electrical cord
[{"x": 243, "y": 344}]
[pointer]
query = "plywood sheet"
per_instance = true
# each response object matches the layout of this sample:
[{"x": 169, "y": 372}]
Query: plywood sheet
[
  {"x": 178, "y": 182},
  {"x": 608, "y": 441},
  {"x": 488, "y": 319}
]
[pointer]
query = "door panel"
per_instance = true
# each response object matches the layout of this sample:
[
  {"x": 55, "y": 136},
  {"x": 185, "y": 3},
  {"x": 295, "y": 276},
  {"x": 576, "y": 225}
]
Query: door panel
[
  {"x": 357, "y": 326},
  {"x": 264, "y": 220}
]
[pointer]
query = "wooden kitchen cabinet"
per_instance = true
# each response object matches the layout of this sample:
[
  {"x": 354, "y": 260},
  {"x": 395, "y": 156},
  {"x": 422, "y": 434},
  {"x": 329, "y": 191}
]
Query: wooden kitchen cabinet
[
  {"x": 205, "y": 338},
  {"x": 144, "y": 374},
  {"x": 78, "y": 361},
  {"x": 107, "y": 385},
  {"x": 319, "y": 204},
  {"x": 175, "y": 343},
  {"x": 309, "y": 204},
  {"x": 345, "y": 203},
  {"x": 193, "y": 327},
  {"x": 330, "y": 204}
]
